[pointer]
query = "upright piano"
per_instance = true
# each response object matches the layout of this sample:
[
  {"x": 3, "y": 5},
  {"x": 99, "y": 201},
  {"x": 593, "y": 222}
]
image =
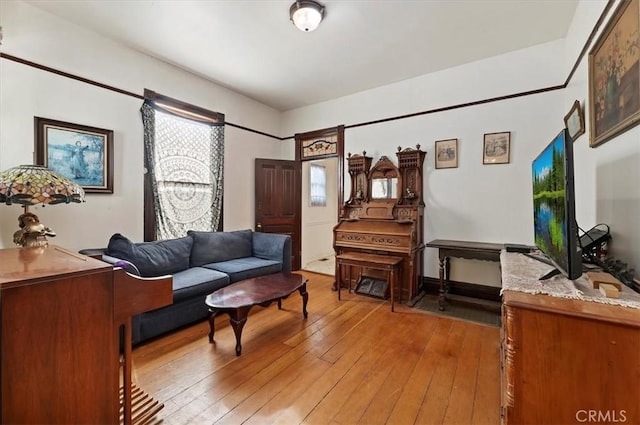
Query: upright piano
[{"x": 384, "y": 215}]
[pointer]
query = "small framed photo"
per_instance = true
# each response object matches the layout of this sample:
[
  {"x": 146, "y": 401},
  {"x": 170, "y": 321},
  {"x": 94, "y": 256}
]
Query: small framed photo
[
  {"x": 447, "y": 153},
  {"x": 81, "y": 153},
  {"x": 574, "y": 121},
  {"x": 496, "y": 148}
]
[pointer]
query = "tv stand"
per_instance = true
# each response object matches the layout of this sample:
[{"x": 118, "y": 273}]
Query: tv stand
[
  {"x": 548, "y": 275},
  {"x": 589, "y": 348},
  {"x": 552, "y": 273}
]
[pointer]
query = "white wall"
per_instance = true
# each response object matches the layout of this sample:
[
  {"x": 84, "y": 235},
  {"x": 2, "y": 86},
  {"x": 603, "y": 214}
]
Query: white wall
[
  {"x": 32, "y": 34},
  {"x": 493, "y": 203},
  {"x": 607, "y": 189},
  {"x": 318, "y": 222},
  {"x": 488, "y": 203},
  {"x": 473, "y": 202}
]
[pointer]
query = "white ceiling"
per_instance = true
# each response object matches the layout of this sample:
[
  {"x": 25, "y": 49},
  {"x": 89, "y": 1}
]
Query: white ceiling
[{"x": 251, "y": 47}]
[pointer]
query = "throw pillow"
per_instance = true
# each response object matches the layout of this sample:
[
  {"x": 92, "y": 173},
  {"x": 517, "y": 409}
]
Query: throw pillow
[{"x": 156, "y": 258}]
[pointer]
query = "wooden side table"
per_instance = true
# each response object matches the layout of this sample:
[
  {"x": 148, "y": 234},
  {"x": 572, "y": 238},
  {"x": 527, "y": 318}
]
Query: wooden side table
[
  {"x": 460, "y": 249},
  {"x": 385, "y": 263}
]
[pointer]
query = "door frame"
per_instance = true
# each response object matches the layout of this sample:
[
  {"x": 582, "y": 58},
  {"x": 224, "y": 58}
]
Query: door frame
[{"x": 319, "y": 136}]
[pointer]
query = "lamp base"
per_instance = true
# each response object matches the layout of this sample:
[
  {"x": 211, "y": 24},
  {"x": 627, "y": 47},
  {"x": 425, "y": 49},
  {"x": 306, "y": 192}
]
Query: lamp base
[
  {"x": 32, "y": 233},
  {"x": 32, "y": 241}
]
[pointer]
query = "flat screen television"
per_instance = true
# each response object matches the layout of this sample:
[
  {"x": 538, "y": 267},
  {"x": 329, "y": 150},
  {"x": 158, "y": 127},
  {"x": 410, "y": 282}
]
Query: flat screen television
[{"x": 554, "y": 210}]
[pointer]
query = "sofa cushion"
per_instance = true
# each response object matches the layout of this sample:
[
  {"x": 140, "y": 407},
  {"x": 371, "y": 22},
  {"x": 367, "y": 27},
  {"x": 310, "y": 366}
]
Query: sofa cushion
[
  {"x": 246, "y": 268},
  {"x": 197, "y": 281},
  {"x": 153, "y": 258},
  {"x": 214, "y": 247}
]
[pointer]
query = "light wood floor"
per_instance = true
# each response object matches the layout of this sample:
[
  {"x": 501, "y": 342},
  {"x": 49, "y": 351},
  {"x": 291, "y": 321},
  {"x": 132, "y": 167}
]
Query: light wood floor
[{"x": 350, "y": 362}]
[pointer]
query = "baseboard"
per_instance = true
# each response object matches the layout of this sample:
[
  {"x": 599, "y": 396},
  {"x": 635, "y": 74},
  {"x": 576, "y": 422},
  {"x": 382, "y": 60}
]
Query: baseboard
[{"x": 472, "y": 290}]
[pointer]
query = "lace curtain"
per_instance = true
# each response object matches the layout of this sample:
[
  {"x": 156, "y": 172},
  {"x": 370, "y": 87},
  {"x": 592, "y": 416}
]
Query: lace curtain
[
  {"x": 318, "y": 185},
  {"x": 185, "y": 159}
]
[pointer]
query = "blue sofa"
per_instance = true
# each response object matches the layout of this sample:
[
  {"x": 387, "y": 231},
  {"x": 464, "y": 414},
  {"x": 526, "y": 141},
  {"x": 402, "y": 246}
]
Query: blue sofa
[{"x": 200, "y": 263}]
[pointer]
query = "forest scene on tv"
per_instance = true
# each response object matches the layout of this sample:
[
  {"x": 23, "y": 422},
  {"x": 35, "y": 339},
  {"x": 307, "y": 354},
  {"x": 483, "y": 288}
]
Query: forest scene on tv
[{"x": 549, "y": 202}]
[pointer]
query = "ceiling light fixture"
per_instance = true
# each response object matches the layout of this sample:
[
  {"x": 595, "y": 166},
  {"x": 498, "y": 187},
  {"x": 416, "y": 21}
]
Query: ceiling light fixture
[{"x": 306, "y": 14}]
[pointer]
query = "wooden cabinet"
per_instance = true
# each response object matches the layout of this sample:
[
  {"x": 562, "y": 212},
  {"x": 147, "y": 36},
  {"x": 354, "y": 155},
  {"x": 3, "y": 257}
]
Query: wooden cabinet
[
  {"x": 59, "y": 364},
  {"x": 568, "y": 361},
  {"x": 59, "y": 345}
]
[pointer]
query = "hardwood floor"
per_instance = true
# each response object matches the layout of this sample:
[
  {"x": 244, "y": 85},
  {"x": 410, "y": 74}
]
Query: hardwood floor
[{"x": 350, "y": 362}]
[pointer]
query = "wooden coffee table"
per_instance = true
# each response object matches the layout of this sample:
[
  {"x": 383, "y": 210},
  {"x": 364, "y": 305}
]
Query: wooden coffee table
[{"x": 237, "y": 299}]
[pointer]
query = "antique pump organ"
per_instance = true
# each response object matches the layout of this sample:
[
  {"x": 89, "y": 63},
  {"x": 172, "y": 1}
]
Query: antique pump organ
[{"x": 384, "y": 216}]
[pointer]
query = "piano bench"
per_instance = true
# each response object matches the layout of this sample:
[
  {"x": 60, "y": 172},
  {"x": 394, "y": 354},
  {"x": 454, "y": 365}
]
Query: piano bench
[{"x": 388, "y": 264}]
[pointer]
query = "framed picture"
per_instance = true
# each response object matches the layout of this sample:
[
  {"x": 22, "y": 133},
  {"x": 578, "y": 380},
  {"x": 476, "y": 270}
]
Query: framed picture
[
  {"x": 574, "y": 121},
  {"x": 614, "y": 75},
  {"x": 496, "y": 148},
  {"x": 447, "y": 153},
  {"x": 79, "y": 152}
]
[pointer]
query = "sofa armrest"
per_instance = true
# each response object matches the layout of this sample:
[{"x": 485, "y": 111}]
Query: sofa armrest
[
  {"x": 93, "y": 252},
  {"x": 127, "y": 266},
  {"x": 272, "y": 246}
]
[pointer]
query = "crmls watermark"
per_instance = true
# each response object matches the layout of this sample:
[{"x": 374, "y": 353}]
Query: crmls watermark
[{"x": 599, "y": 416}]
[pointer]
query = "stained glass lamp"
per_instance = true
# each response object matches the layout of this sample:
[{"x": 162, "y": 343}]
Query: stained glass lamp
[{"x": 30, "y": 185}]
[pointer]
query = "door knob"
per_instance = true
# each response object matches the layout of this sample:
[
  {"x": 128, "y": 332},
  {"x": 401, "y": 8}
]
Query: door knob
[{"x": 258, "y": 226}]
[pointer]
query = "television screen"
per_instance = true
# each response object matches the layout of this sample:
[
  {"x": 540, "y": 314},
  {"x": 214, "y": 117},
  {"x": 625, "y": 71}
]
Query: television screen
[{"x": 554, "y": 213}]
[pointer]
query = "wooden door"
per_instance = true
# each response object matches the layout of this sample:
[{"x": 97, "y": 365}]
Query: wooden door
[{"x": 277, "y": 202}]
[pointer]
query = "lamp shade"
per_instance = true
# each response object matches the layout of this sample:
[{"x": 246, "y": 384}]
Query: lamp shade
[
  {"x": 306, "y": 14},
  {"x": 35, "y": 184}
]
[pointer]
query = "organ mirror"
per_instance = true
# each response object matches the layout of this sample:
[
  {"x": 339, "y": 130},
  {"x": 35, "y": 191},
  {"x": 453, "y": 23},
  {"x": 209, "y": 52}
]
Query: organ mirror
[
  {"x": 384, "y": 180},
  {"x": 384, "y": 188}
]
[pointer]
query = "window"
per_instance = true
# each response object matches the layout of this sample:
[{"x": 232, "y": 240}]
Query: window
[
  {"x": 184, "y": 157},
  {"x": 317, "y": 186}
]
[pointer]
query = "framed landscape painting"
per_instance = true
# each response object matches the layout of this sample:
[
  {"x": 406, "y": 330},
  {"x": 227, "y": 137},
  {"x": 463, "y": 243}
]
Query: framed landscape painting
[
  {"x": 614, "y": 75},
  {"x": 81, "y": 153}
]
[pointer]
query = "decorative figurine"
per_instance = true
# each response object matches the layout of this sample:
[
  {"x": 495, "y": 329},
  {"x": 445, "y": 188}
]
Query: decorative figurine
[
  {"x": 32, "y": 232},
  {"x": 410, "y": 194}
]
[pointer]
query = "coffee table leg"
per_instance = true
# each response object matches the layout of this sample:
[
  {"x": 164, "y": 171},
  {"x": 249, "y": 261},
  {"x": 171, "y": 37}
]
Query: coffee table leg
[
  {"x": 238, "y": 317},
  {"x": 212, "y": 315},
  {"x": 305, "y": 298}
]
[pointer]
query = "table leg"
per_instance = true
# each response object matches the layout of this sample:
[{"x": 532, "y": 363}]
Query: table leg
[
  {"x": 447, "y": 271},
  {"x": 126, "y": 372},
  {"x": 441, "y": 297},
  {"x": 238, "y": 317},
  {"x": 212, "y": 315},
  {"x": 392, "y": 282},
  {"x": 305, "y": 297},
  {"x": 336, "y": 277},
  {"x": 339, "y": 277}
]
